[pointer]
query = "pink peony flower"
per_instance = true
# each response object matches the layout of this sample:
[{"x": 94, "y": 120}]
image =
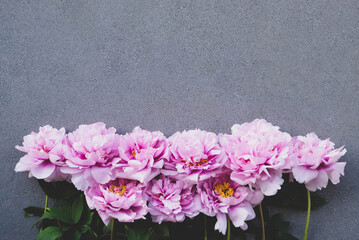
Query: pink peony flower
[
  {"x": 194, "y": 156},
  {"x": 221, "y": 196},
  {"x": 121, "y": 199},
  {"x": 141, "y": 155},
  {"x": 91, "y": 150},
  {"x": 315, "y": 161},
  {"x": 44, "y": 155},
  {"x": 256, "y": 155},
  {"x": 171, "y": 200}
]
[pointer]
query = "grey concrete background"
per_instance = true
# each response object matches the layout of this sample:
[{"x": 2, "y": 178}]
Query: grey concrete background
[{"x": 175, "y": 65}]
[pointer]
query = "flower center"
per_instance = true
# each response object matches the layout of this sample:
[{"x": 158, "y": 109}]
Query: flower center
[
  {"x": 133, "y": 154},
  {"x": 224, "y": 190},
  {"x": 120, "y": 190},
  {"x": 203, "y": 161}
]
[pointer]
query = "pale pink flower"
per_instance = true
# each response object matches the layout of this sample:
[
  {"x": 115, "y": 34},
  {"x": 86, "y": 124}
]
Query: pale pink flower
[
  {"x": 315, "y": 161},
  {"x": 90, "y": 152},
  {"x": 194, "y": 156},
  {"x": 256, "y": 155},
  {"x": 221, "y": 197},
  {"x": 122, "y": 199},
  {"x": 141, "y": 155},
  {"x": 44, "y": 155},
  {"x": 171, "y": 200}
]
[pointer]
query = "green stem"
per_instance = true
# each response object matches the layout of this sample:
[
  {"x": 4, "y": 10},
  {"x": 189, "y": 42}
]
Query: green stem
[
  {"x": 229, "y": 228},
  {"x": 46, "y": 203},
  {"x": 205, "y": 227},
  {"x": 112, "y": 228},
  {"x": 308, "y": 216},
  {"x": 262, "y": 221}
]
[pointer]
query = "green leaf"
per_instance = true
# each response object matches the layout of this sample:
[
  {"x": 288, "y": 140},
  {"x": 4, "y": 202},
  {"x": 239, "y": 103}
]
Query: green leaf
[
  {"x": 66, "y": 227},
  {"x": 89, "y": 219},
  {"x": 72, "y": 234},
  {"x": 106, "y": 229},
  {"x": 76, "y": 235},
  {"x": 49, "y": 233},
  {"x": 77, "y": 208},
  {"x": 58, "y": 190},
  {"x": 33, "y": 211},
  {"x": 163, "y": 230},
  {"x": 60, "y": 214},
  {"x": 137, "y": 234},
  {"x": 278, "y": 228},
  {"x": 47, "y": 215},
  {"x": 85, "y": 228},
  {"x": 317, "y": 201},
  {"x": 63, "y": 212}
]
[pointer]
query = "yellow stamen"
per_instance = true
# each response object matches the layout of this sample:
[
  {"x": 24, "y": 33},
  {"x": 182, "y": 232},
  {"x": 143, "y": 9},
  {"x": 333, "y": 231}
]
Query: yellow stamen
[
  {"x": 224, "y": 190},
  {"x": 121, "y": 190},
  {"x": 133, "y": 154},
  {"x": 203, "y": 161}
]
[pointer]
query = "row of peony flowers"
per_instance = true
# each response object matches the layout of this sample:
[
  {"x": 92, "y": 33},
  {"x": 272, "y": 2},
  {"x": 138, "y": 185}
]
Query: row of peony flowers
[{"x": 124, "y": 177}]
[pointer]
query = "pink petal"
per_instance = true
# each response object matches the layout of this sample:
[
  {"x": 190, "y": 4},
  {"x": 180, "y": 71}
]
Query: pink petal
[
  {"x": 105, "y": 217},
  {"x": 303, "y": 174},
  {"x": 53, "y": 158},
  {"x": 221, "y": 224},
  {"x": 318, "y": 183},
  {"x": 240, "y": 214},
  {"x": 79, "y": 182},
  {"x": 25, "y": 164},
  {"x": 102, "y": 175},
  {"x": 270, "y": 186},
  {"x": 334, "y": 174},
  {"x": 42, "y": 170}
]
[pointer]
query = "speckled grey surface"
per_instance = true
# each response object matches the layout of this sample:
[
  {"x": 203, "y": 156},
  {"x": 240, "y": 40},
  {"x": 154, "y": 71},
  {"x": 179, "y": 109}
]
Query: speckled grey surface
[{"x": 175, "y": 65}]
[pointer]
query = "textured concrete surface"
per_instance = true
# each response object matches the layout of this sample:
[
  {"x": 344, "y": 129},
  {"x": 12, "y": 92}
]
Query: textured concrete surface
[{"x": 175, "y": 65}]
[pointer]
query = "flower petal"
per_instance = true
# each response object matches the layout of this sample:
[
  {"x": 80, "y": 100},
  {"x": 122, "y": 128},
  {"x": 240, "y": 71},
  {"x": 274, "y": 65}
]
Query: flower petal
[
  {"x": 102, "y": 175},
  {"x": 221, "y": 224},
  {"x": 42, "y": 170},
  {"x": 303, "y": 174},
  {"x": 318, "y": 183}
]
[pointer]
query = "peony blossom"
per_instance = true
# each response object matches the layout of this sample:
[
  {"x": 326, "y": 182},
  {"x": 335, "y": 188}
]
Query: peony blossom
[
  {"x": 221, "y": 196},
  {"x": 141, "y": 155},
  {"x": 90, "y": 153},
  {"x": 44, "y": 156},
  {"x": 194, "y": 156},
  {"x": 171, "y": 200},
  {"x": 315, "y": 161},
  {"x": 257, "y": 153},
  {"x": 121, "y": 199}
]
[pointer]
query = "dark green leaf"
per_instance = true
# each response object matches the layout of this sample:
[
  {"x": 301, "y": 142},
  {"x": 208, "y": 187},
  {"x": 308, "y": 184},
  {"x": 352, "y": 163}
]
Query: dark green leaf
[
  {"x": 58, "y": 190},
  {"x": 77, "y": 208},
  {"x": 106, "y": 229},
  {"x": 290, "y": 237},
  {"x": 163, "y": 230},
  {"x": 76, "y": 235},
  {"x": 63, "y": 212},
  {"x": 63, "y": 216},
  {"x": 47, "y": 215},
  {"x": 33, "y": 211},
  {"x": 72, "y": 234},
  {"x": 137, "y": 234},
  {"x": 89, "y": 219},
  {"x": 278, "y": 228},
  {"x": 317, "y": 201},
  {"x": 49, "y": 233},
  {"x": 85, "y": 228},
  {"x": 66, "y": 227}
]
